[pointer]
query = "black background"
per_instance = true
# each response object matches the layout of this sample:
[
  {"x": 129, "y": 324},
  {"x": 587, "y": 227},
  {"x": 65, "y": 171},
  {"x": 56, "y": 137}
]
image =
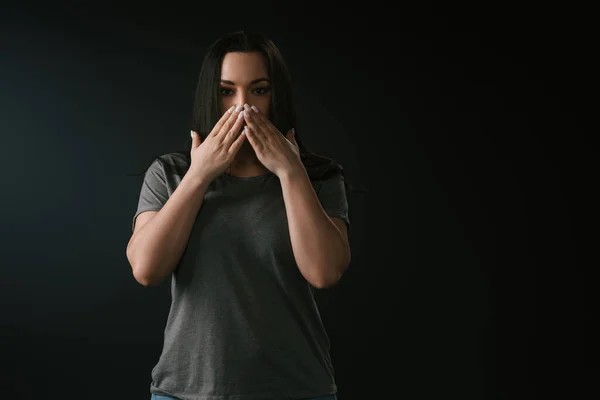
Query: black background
[{"x": 464, "y": 122}]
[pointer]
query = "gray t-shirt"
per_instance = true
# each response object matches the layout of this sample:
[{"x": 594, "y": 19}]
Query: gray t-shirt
[{"x": 243, "y": 322}]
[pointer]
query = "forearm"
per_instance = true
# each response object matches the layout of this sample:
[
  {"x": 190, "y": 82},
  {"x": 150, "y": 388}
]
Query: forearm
[
  {"x": 157, "y": 247},
  {"x": 319, "y": 248}
]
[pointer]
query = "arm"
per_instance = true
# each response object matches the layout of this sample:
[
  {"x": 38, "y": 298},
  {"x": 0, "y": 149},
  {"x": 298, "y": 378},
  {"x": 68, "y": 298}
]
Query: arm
[
  {"x": 156, "y": 247},
  {"x": 320, "y": 243}
]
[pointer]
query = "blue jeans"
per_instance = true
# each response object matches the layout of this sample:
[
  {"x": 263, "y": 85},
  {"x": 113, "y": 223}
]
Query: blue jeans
[{"x": 158, "y": 397}]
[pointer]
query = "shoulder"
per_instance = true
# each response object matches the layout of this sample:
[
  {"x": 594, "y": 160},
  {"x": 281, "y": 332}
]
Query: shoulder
[
  {"x": 321, "y": 170},
  {"x": 174, "y": 163},
  {"x": 174, "y": 158},
  {"x": 326, "y": 172},
  {"x": 331, "y": 181}
]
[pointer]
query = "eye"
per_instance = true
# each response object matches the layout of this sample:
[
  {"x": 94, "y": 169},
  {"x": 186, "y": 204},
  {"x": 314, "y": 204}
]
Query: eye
[
  {"x": 226, "y": 91},
  {"x": 262, "y": 90}
]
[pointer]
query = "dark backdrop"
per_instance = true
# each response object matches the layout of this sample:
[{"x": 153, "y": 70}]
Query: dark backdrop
[{"x": 462, "y": 121}]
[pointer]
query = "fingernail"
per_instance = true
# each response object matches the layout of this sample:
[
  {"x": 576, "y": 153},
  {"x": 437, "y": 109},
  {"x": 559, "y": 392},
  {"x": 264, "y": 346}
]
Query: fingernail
[
  {"x": 231, "y": 109},
  {"x": 239, "y": 108},
  {"x": 192, "y": 134},
  {"x": 240, "y": 115},
  {"x": 246, "y": 113},
  {"x": 246, "y": 107},
  {"x": 255, "y": 109}
]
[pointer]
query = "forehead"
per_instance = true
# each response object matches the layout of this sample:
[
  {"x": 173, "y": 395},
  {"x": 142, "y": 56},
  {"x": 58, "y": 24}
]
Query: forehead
[{"x": 243, "y": 67}]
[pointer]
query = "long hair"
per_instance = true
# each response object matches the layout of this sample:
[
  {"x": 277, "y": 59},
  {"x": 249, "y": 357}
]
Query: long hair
[{"x": 207, "y": 102}]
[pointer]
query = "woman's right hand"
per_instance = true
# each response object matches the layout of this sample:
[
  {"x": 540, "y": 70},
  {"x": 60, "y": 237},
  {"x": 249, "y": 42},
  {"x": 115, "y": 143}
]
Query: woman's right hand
[{"x": 211, "y": 157}]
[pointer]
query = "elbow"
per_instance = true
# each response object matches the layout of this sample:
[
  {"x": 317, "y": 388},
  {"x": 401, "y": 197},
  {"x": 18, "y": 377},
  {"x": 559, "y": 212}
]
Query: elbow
[
  {"x": 325, "y": 281},
  {"x": 324, "y": 284},
  {"x": 143, "y": 280},
  {"x": 140, "y": 273},
  {"x": 140, "y": 277},
  {"x": 145, "y": 277}
]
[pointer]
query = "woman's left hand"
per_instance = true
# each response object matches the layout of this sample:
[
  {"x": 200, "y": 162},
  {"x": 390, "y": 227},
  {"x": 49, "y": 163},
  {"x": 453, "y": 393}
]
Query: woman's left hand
[{"x": 278, "y": 153}]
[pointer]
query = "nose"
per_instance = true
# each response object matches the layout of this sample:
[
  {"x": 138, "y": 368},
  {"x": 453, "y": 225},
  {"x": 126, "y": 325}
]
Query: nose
[{"x": 242, "y": 98}]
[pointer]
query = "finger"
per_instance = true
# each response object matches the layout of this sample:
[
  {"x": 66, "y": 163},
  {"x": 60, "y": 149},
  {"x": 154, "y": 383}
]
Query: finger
[
  {"x": 261, "y": 120},
  {"x": 291, "y": 136},
  {"x": 229, "y": 121},
  {"x": 254, "y": 140},
  {"x": 257, "y": 129},
  {"x": 224, "y": 118},
  {"x": 234, "y": 130},
  {"x": 235, "y": 146},
  {"x": 233, "y": 118},
  {"x": 195, "y": 140}
]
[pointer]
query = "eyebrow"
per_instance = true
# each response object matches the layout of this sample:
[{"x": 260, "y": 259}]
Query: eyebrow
[{"x": 252, "y": 83}]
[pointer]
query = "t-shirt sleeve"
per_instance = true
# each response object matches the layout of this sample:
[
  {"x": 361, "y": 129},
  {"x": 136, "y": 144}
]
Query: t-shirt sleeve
[
  {"x": 332, "y": 195},
  {"x": 154, "y": 193}
]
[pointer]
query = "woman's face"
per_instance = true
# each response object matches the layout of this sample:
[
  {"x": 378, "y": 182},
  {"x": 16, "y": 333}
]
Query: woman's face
[{"x": 244, "y": 80}]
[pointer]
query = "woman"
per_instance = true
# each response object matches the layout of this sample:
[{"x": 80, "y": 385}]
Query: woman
[{"x": 247, "y": 223}]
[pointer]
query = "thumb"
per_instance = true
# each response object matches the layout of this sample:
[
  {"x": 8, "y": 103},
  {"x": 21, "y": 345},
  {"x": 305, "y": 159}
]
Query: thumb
[
  {"x": 291, "y": 135},
  {"x": 195, "y": 139}
]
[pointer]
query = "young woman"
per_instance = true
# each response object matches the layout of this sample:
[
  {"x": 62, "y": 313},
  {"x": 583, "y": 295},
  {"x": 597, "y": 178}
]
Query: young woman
[{"x": 246, "y": 223}]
